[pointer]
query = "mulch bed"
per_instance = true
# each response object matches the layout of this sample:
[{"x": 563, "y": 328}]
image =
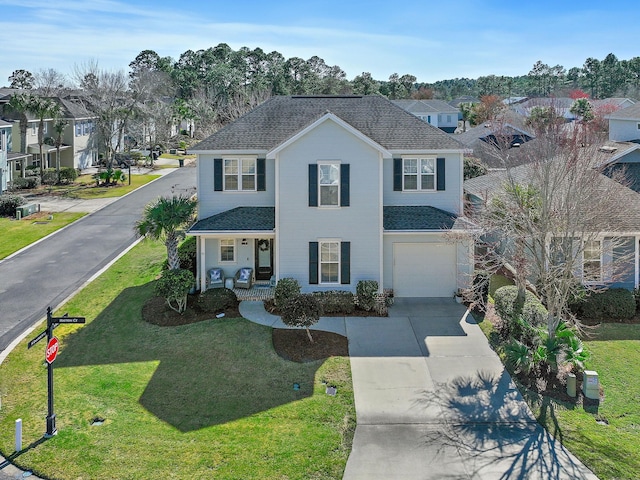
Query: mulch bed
[
  {"x": 157, "y": 312},
  {"x": 293, "y": 345}
]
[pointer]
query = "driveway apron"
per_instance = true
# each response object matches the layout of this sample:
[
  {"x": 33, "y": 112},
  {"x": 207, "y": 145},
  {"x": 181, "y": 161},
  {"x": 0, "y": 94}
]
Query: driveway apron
[{"x": 433, "y": 401}]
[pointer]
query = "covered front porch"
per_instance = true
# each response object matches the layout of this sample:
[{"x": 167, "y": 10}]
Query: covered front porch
[{"x": 236, "y": 249}]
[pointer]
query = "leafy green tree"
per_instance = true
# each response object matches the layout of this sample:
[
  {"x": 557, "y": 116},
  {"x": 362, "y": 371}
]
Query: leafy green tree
[
  {"x": 583, "y": 109},
  {"x": 43, "y": 108},
  {"x": 467, "y": 114},
  {"x": 165, "y": 219},
  {"x": 21, "y": 79},
  {"x": 302, "y": 310},
  {"x": 473, "y": 167},
  {"x": 20, "y": 103},
  {"x": 543, "y": 118},
  {"x": 59, "y": 125},
  {"x": 364, "y": 84},
  {"x": 592, "y": 72},
  {"x": 174, "y": 286}
]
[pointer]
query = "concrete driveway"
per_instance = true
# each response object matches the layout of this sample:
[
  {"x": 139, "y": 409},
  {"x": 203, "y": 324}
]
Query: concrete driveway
[{"x": 433, "y": 401}]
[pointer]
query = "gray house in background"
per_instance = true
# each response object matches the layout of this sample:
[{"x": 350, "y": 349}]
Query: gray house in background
[
  {"x": 624, "y": 125},
  {"x": 331, "y": 190},
  {"x": 435, "y": 112}
]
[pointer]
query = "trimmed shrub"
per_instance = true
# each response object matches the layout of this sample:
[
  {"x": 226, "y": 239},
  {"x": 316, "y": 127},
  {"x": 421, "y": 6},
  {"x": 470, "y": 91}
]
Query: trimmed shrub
[
  {"x": 215, "y": 300},
  {"x": 336, "y": 301},
  {"x": 286, "y": 288},
  {"x": 50, "y": 176},
  {"x": 519, "y": 325},
  {"x": 366, "y": 297},
  {"x": 612, "y": 304},
  {"x": 302, "y": 310},
  {"x": 9, "y": 203},
  {"x": 68, "y": 174},
  {"x": 26, "y": 183},
  {"x": 174, "y": 286}
]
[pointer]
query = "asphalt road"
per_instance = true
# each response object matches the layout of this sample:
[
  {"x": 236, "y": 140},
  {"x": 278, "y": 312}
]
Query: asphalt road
[{"x": 48, "y": 272}]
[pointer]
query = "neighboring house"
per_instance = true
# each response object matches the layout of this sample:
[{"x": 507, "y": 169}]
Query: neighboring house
[
  {"x": 622, "y": 157},
  {"x": 435, "y": 112},
  {"x": 561, "y": 105},
  {"x": 78, "y": 149},
  {"x": 331, "y": 190},
  {"x": 604, "y": 252},
  {"x": 455, "y": 103},
  {"x": 617, "y": 103},
  {"x": 485, "y": 140},
  {"x": 5, "y": 172},
  {"x": 624, "y": 124}
]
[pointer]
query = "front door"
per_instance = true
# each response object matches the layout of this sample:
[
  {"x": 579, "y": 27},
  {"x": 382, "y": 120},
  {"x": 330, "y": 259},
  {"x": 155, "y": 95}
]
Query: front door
[{"x": 264, "y": 258}]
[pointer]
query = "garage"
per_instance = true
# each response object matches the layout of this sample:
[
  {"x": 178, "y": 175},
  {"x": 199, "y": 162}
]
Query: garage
[{"x": 424, "y": 269}]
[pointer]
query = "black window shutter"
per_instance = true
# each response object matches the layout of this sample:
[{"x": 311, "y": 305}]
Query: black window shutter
[
  {"x": 344, "y": 184},
  {"x": 313, "y": 263},
  {"x": 397, "y": 174},
  {"x": 313, "y": 185},
  {"x": 217, "y": 174},
  {"x": 345, "y": 263},
  {"x": 261, "y": 175},
  {"x": 441, "y": 182}
]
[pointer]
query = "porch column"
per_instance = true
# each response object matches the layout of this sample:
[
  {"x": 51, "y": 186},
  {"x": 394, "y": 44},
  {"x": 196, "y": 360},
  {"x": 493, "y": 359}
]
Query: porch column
[{"x": 202, "y": 263}]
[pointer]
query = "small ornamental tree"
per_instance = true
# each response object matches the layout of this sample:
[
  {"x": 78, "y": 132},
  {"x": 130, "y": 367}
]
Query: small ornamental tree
[
  {"x": 174, "y": 286},
  {"x": 302, "y": 310}
]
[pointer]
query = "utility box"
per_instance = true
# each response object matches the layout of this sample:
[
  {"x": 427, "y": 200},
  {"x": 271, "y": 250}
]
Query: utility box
[
  {"x": 591, "y": 385},
  {"x": 26, "y": 210}
]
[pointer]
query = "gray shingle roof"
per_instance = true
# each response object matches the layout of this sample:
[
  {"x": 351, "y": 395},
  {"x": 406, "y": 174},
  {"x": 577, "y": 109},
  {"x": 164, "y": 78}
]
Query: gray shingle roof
[
  {"x": 238, "y": 219},
  {"x": 627, "y": 219},
  {"x": 426, "y": 106},
  {"x": 417, "y": 218},
  {"x": 280, "y": 118},
  {"x": 5, "y": 124},
  {"x": 399, "y": 218},
  {"x": 629, "y": 113}
]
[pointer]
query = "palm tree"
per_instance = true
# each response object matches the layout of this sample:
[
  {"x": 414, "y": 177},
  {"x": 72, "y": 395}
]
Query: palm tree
[
  {"x": 467, "y": 113},
  {"x": 43, "y": 108},
  {"x": 165, "y": 219},
  {"x": 59, "y": 124}
]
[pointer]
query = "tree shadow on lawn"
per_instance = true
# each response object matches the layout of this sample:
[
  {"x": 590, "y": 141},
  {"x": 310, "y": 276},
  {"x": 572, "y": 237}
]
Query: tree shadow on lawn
[{"x": 209, "y": 373}]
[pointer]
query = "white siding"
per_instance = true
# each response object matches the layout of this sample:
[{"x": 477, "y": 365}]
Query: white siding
[
  {"x": 211, "y": 202},
  {"x": 624, "y": 130},
  {"x": 449, "y": 199},
  {"x": 298, "y": 224}
]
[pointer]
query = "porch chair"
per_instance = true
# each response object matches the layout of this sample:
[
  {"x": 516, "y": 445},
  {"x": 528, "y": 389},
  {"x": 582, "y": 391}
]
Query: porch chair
[
  {"x": 215, "y": 278},
  {"x": 244, "y": 278}
]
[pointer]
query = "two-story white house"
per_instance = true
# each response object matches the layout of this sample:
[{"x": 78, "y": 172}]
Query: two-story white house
[
  {"x": 435, "y": 112},
  {"x": 331, "y": 190}
]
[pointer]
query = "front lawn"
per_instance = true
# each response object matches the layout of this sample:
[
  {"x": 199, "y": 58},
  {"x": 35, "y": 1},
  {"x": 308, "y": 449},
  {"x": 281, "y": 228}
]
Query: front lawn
[
  {"x": 90, "y": 190},
  {"x": 606, "y": 437},
  {"x": 17, "y": 234},
  {"x": 206, "y": 400}
]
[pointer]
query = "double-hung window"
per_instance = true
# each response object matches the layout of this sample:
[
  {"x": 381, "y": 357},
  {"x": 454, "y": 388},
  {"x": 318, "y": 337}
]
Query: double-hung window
[
  {"x": 419, "y": 174},
  {"x": 592, "y": 261},
  {"x": 227, "y": 250},
  {"x": 329, "y": 262},
  {"x": 240, "y": 174},
  {"x": 329, "y": 184}
]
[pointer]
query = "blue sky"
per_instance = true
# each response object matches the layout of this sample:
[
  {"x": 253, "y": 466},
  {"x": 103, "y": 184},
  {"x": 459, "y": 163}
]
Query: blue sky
[{"x": 431, "y": 40}]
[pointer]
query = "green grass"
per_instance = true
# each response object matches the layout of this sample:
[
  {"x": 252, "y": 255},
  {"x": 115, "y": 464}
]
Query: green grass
[
  {"x": 612, "y": 451},
  {"x": 176, "y": 156},
  {"x": 207, "y": 400},
  {"x": 85, "y": 187},
  {"x": 17, "y": 234}
]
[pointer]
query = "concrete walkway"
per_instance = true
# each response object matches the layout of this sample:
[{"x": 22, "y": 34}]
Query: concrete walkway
[{"x": 433, "y": 400}]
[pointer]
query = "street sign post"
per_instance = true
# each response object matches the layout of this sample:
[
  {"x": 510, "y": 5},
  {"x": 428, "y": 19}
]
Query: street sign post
[{"x": 50, "y": 355}]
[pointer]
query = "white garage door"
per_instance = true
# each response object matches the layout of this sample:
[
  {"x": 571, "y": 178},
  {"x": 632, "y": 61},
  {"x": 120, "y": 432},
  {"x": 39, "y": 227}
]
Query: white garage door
[{"x": 424, "y": 269}]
